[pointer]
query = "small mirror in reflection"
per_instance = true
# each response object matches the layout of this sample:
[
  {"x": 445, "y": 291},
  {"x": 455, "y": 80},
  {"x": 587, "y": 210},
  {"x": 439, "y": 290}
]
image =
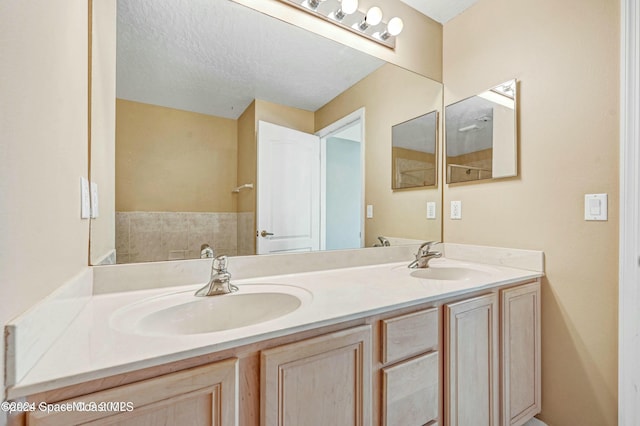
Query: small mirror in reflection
[
  {"x": 480, "y": 134},
  {"x": 413, "y": 152}
]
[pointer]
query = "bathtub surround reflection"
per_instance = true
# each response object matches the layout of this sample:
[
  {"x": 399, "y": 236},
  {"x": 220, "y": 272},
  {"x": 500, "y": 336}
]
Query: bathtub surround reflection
[{"x": 161, "y": 236}]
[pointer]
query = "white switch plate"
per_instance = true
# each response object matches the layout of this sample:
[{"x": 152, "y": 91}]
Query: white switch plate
[
  {"x": 456, "y": 210},
  {"x": 595, "y": 207},
  {"x": 85, "y": 199},
  {"x": 95, "y": 211},
  {"x": 431, "y": 209},
  {"x": 369, "y": 211}
]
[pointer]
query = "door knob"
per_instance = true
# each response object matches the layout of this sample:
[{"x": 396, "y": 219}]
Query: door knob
[{"x": 265, "y": 234}]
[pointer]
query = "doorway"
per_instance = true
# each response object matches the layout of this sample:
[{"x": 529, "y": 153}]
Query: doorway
[
  {"x": 342, "y": 183},
  {"x": 311, "y": 187}
]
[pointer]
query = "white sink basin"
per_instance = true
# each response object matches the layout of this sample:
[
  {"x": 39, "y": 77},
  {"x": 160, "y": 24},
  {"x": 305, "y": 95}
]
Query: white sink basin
[
  {"x": 444, "y": 269},
  {"x": 183, "y": 313},
  {"x": 448, "y": 273}
]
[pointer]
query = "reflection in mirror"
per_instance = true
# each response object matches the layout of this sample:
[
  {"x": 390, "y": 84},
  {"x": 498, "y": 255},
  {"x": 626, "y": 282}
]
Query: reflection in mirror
[
  {"x": 413, "y": 152},
  {"x": 481, "y": 135},
  {"x": 194, "y": 82}
]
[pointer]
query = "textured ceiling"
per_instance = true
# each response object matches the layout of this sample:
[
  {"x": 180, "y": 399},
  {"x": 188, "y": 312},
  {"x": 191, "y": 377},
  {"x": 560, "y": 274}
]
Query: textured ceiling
[
  {"x": 469, "y": 126},
  {"x": 215, "y": 57},
  {"x": 418, "y": 134},
  {"x": 440, "y": 10}
]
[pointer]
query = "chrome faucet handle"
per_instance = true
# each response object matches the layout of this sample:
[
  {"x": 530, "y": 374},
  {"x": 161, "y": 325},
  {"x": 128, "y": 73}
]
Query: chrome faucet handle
[
  {"x": 219, "y": 265},
  {"x": 424, "y": 255},
  {"x": 422, "y": 251}
]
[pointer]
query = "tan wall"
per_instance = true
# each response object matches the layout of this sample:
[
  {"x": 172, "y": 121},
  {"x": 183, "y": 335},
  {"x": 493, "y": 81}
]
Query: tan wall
[
  {"x": 171, "y": 160},
  {"x": 247, "y": 158},
  {"x": 391, "y": 95},
  {"x": 418, "y": 47},
  {"x": 103, "y": 119},
  {"x": 293, "y": 118},
  {"x": 565, "y": 55},
  {"x": 43, "y": 151}
]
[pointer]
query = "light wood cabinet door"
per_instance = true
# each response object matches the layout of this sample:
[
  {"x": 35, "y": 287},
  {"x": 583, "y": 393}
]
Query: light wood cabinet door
[
  {"x": 471, "y": 362},
  {"x": 321, "y": 381},
  {"x": 197, "y": 396},
  {"x": 520, "y": 353}
]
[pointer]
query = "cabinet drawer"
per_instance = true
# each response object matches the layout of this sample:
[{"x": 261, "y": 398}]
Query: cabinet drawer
[
  {"x": 410, "y": 391},
  {"x": 409, "y": 334}
]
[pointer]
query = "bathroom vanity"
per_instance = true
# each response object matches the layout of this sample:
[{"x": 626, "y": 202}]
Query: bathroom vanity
[{"x": 455, "y": 344}]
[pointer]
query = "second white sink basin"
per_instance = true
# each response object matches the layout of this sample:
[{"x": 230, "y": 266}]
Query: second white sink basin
[
  {"x": 185, "y": 314},
  {"x": 448, "y": 273}
]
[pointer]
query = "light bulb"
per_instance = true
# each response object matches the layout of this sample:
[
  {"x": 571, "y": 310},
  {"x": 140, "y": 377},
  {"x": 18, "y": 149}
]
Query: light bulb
[
  {"x": 349, "y": 6},
  {"x": 395, "y": 26},
  {"x": 374, "y": 16}
]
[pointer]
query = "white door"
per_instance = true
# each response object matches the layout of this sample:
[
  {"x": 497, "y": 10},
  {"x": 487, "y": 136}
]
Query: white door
[{"x": 288, "y": 210}]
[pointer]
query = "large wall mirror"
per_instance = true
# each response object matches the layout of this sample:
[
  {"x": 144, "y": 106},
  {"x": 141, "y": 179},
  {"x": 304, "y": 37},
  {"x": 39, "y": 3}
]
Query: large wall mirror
[
  {"x": 193, "y": 82},
  {"x": 481, "y": 135}
]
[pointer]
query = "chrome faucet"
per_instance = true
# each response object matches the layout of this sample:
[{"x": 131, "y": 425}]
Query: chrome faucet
[
  {"x": 206, "y": 251},
  {"x": 219, "y": 283},
  {"x": 384, "y": 242},
  {"x": 424, "y": 255}
]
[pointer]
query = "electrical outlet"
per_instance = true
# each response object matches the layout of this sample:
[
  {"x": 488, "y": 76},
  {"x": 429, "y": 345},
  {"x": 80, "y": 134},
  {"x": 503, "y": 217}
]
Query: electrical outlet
[
  {"x": 431, "y": 209},
  {"x": 456, "y": 210}
]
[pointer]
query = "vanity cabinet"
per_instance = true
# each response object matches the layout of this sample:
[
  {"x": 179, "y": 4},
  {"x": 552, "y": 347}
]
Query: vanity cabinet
[
  {"x": 520, "y": 353},
  {"x": 471, "y": 359},
  {"x": 471, "y": 362},
  {"x": 411, "y": 371},
  {"x": 197, "y": 396},
  {"x": 320, "y": 381}
]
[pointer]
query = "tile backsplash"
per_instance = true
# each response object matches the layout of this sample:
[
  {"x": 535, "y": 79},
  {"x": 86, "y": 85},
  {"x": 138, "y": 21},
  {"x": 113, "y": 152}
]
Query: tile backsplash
[{"x": 158, "y": 236}]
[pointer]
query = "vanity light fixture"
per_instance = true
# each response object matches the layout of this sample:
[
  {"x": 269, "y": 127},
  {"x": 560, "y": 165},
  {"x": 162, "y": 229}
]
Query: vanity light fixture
[{"x": 345, "y": 14}]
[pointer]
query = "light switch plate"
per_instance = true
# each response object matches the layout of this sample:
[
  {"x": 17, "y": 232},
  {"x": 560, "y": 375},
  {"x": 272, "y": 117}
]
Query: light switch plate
[
  {"x": 85, "y": 199},
  {"x": 595, "y": 207},
  {"x": 369, "y": 211},
  {"x": 456, "y": 210},
  {"x": 431, "y": 209},
  {"x": 95, "y": 211}
]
